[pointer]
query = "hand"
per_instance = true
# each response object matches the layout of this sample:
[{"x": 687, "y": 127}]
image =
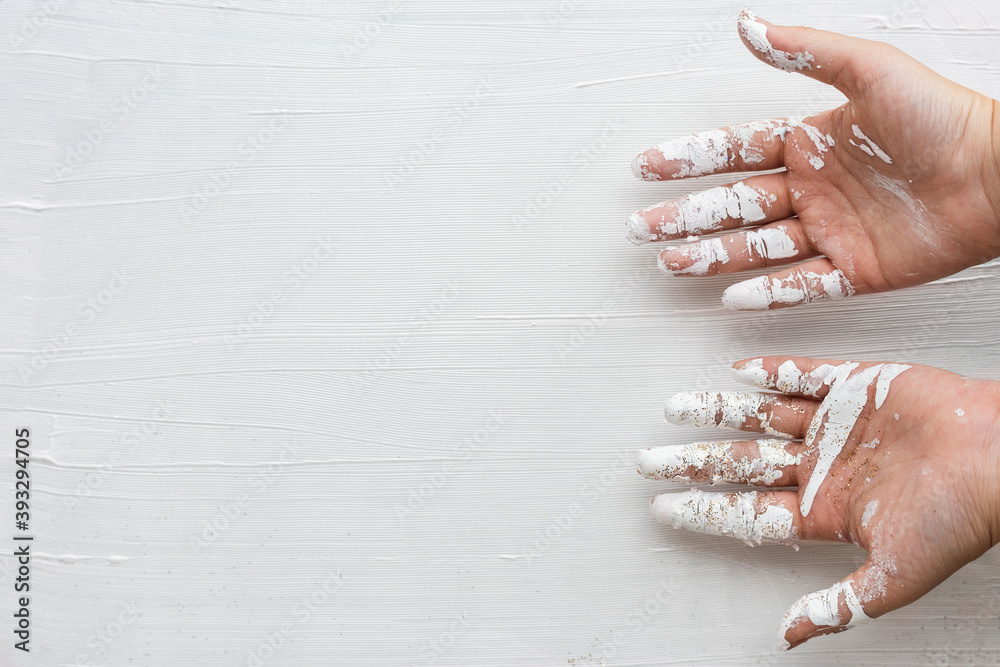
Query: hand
[
  {"x": 903, "y": 461},
  {"x": 897, "y": 187}
]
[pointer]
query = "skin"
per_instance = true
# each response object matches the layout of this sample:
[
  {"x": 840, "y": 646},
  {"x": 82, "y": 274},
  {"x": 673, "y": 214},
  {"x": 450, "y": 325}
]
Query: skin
[
  {"x": 934, "y": 472},
  {"x": 944, "y": 143}
]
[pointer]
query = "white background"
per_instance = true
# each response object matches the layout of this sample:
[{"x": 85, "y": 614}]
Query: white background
[{"x": 267, "y": 269}]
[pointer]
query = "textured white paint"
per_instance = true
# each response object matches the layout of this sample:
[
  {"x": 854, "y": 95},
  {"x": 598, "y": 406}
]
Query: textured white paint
[
  {"x": 732, "y": 514},
  {"x": 755, "y": 32},
  {"x": 714, "y": 462},
  {"x": 703, "y": 255},
  {"x": 729, "y": 410},
  {"x": 869, "y": 146},
  {"x": 700, "y": 213},
  {"x": 762, "y": 292},
  {"x": 773, "y": 243},
  {"x": 822, "y": 608},
  {"x": 354, "y": 327},
  {"x": 837, "y": 415}
]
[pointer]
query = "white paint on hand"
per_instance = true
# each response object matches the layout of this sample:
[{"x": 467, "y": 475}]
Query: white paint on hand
[
  {"x": 731, "y": 514},
  {"x": 720, "y": 410},
  {"x": 703, "y": 255},
  {"x": 801, "y": 287},
  {"x": 837, "y": 415},
  {"x": 885, "y": 376},
  {"x": 637, "y": 229},
  {"x": 789, "y": 379},
  {"x": 869, "y": 512},
  {"x": 772, "y": 243},
  {"x": 755, "y": 32},
  {"x": 710, "y": 152},
  {"x": 714, "y": 462},
  {"x": 822, "y": 609},
  {"x": 870, "y": 146}
]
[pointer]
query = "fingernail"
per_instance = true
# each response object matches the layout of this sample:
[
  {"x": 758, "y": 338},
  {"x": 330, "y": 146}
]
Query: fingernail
[
  {"x": 641, "y": 168},
  {"x": 752, "y": 373},
  {"x": 748, "y": 295},
  {"x": 637, "y": 229},
  {"x": 697, "y": 259},
  {"x": 687, "y": 408}
]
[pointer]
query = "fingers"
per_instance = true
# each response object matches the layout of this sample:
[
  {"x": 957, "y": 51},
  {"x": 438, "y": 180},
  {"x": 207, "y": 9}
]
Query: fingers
[
  {"x": 755, "y": 146},
  {"x": 762, "y": 413},
  {"x": 753, "y": 201},
  {"x": 815, "y": 280},
  {"x": 751, "y": 516},
  {"x": 765, "y": 462},
  {"x": 796, "y": 376},
  {"x": 771, "y": 245},
  {"x": 847, "y": 63}
]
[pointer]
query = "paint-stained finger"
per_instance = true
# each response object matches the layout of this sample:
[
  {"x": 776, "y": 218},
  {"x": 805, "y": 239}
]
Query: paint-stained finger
[
  {"x": 755, "y": 146},
  {"x": 848, "y": 63},
  {"x": 797, "y": 376},
  {"x": 816, "y": 280},
  {"x": 771, "y": 245},
  {"x": 753, "y": 201},
  {"x": 764, "y": 462},
  {"x": 751, "y": 516},
  {"x": 758, "y": 412}
]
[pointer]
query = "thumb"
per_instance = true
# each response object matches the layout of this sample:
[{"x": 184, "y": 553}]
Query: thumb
[
  {"x": 847, "y": 63},
  {"x": 871, "y": 591}
]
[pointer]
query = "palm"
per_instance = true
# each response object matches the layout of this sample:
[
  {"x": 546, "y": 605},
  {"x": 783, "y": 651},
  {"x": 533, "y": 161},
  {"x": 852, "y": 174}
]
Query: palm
[
  {"x": 922, "y": 217},
  {"x": 906, "y": 490}
]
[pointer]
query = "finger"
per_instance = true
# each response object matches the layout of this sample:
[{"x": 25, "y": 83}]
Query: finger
[
  {"x": 847, "y": 63},
  {"x": 796, "y": 376},
  {"x": 873, "y": 590},
  {"x": 756, "y": 200},
  {"x": 772, "y": 245},
  {"x": 816, "y": 280},
  {"x": 754, "y": 146},
  {"x": 765, "y": 462},
  {"x": 761, "y": 413},
  {"x": 751, "y": 516}
]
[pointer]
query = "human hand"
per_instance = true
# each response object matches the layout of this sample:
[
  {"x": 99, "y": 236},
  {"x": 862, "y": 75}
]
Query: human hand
[
  {"x": 897, "y": 187},
  {"x": 903, "y": 461}
]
